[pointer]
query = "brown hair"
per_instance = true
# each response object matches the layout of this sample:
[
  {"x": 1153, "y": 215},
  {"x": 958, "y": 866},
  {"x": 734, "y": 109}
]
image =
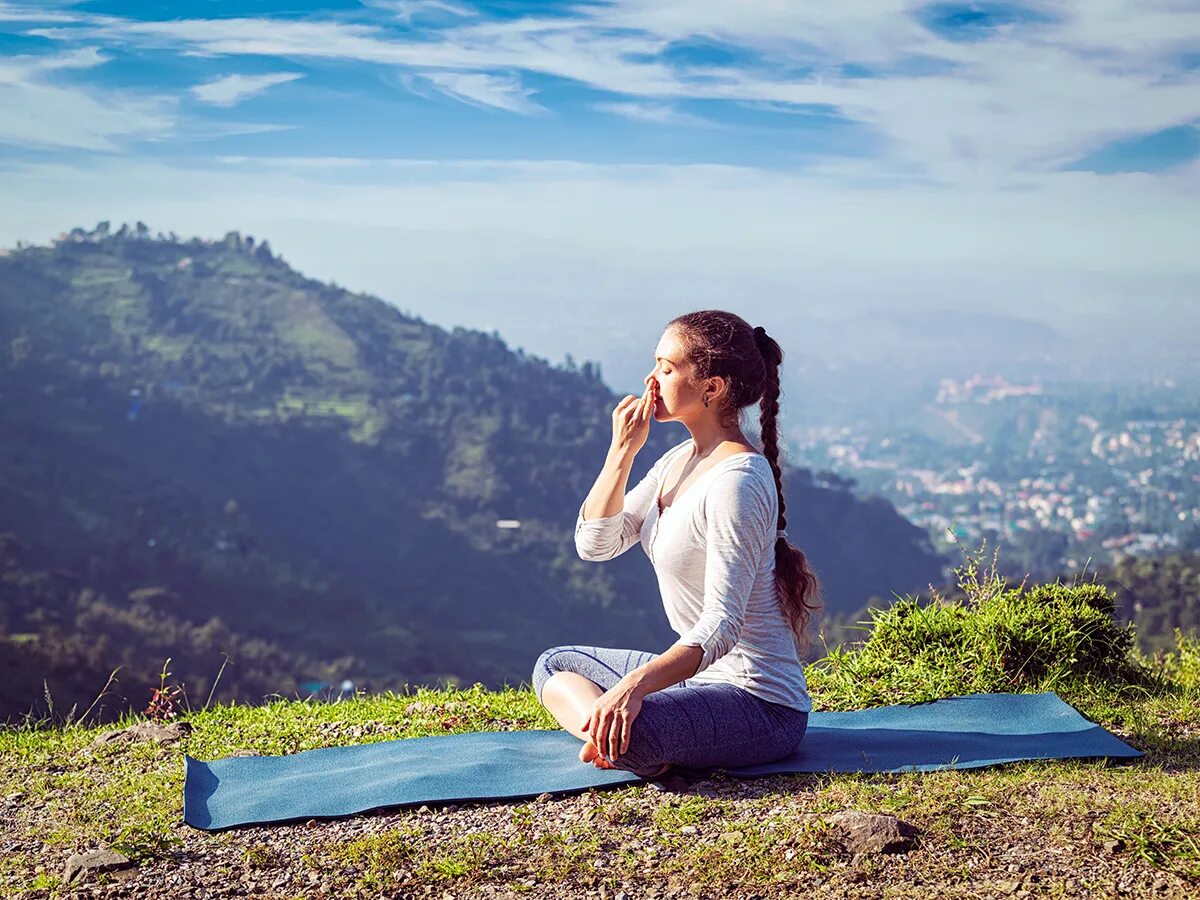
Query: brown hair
[{"x": 718, "y": 343}]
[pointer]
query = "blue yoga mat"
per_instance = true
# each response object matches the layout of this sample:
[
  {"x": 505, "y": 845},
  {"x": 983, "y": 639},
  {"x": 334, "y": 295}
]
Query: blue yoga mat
[{"x": 965, "y": 732}]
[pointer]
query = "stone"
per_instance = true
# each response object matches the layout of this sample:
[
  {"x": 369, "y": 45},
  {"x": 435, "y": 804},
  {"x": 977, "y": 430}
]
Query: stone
[
  {"x": 864, "y": 832},
  {"x": 545, "y": 798},
  {"x": 80, "y": 865},
  {"x": 732, "y": 837},
  {"x": 144, "y": 731},
  {"x": 245, "y": 751}
]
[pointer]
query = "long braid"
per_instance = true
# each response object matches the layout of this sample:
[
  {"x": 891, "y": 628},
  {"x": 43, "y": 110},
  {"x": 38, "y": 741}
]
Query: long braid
[
  {"x": 795, "y": 581},
  {"x": 720, "y": 343}
]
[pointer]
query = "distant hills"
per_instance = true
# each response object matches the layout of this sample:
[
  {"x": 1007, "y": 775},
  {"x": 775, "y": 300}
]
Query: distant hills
[{"x": 196, "y": 435}]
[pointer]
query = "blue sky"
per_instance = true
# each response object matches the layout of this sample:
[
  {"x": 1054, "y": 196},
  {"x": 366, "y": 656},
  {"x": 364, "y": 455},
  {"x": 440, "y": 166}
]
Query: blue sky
[{"x": 437, "y": 151}]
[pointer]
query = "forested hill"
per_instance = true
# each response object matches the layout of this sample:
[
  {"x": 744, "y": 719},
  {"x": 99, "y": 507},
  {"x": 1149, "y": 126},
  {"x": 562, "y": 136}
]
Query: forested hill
[{"x": 316, "y": 469}]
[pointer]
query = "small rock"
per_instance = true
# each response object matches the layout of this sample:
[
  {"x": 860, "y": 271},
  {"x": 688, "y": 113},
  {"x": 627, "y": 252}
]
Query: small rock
[
  {"x": 1008, "y": 887},
  {"x": 1113, "y": 845},
  {"x": 82, "y": 864},
  {"x": 688, "y": 829},
  {"x": 545, "y": 798},
  {"x": 144, "y": 731},
  {"x": 246, "y": 751},
  {"x": 732, "y": 837},
  {"x": 863, "y": 832},
  {"x": 704, "y": 789}
]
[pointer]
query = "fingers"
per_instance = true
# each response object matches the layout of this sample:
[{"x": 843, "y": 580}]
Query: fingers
[
  {"x": 624, "y": 404},
  {"x": 614, "y": 738}
]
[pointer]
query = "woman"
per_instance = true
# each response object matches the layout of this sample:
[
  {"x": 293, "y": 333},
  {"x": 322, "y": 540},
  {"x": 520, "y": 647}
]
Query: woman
[{"x": 710, "y": 516}]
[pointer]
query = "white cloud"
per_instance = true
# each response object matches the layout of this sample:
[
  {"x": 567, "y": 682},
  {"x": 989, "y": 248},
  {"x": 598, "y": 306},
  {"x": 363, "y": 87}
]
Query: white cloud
[
  {"x": 1035, "y": 96},
  {"x": 233, "y": 89},
  {"x": 206, "y": 130},
  {"x": 11, "y": 13},
  {"x": 498, "y": 91},
  {"x": 36, "y": 112},
  {"x": 654, "y": 113},
  {"x": 407, "y": 10}
]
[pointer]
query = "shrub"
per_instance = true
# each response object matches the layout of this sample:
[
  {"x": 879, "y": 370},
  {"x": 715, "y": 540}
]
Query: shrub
[{"x": 998, "y": 639}]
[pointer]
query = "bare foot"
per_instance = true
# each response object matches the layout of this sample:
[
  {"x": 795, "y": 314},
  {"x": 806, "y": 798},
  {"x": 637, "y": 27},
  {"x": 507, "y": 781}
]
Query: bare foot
[{"x": 589, "y": 753}]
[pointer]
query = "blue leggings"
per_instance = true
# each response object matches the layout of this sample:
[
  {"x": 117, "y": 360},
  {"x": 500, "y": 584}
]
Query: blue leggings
[{"x": 691, "y": 724}]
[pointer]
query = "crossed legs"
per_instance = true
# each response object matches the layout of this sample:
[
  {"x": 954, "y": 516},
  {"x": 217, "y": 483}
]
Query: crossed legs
[
  {"x": 687, "y": 725},
  {"x": 569, "y": 697}
]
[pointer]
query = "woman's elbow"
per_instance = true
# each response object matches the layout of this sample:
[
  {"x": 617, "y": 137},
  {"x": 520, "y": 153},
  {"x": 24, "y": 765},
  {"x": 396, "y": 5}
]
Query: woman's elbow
[{"x": 592, "y": 555}]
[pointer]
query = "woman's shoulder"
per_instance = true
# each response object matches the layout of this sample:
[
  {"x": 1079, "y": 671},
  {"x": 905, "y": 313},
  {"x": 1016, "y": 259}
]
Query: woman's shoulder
[{"x": 741, "y": 473}]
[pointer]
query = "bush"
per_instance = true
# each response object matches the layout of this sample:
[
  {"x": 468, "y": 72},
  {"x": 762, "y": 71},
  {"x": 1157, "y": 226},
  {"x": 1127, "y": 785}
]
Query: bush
[{"x": 999, "y": 639}]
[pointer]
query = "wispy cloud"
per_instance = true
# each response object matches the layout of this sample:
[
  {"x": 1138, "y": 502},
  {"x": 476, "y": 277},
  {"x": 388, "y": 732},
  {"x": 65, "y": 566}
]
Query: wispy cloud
[
  {"x": 479, "y": 89},
  {"x": 407, "y": 10},
  {"x": 35, "y": 111},
  {"x": 1031, "y": 94},
  {"x": 654, "y": 113},
  {"x": 233, "y": 89},
  {"x": 41, "y": 13}
]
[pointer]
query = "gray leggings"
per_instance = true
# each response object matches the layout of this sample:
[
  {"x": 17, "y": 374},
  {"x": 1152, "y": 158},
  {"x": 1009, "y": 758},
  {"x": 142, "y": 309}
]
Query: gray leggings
[{"x": 691, "y": 724}]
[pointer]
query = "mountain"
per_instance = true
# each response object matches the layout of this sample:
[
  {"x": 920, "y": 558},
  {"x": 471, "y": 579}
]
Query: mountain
[{"x": 316, "y": 469}]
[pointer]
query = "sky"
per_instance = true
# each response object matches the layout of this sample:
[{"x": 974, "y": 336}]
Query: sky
[{"x": 574, "y": 175}]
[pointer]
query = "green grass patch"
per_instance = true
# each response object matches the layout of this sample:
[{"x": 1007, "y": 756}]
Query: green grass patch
[{"x": 74, "y": 795}]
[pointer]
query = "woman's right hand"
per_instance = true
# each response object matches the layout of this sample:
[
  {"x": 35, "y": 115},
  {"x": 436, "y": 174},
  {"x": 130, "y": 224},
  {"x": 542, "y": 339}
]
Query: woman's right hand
[{"x": 631, "y": 420}]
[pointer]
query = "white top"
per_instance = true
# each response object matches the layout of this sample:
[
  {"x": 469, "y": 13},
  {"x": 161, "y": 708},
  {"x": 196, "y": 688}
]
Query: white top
[{"x": 713, "y": 550}]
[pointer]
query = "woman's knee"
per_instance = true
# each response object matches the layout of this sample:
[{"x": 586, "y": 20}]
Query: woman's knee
[{"x": 543, "y": 669}]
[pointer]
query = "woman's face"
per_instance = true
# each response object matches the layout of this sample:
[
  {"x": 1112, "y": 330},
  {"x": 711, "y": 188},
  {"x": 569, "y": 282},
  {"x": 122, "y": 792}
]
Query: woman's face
[{"x": 675, "y": 392}]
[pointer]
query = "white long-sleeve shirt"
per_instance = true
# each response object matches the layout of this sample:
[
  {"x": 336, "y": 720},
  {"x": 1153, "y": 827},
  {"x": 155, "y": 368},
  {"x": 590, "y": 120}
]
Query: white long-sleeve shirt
[{"x": 713, "y": 551}]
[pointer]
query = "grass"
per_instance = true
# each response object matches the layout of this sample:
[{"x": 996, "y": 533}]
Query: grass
[{"x": 63, "y": 794}]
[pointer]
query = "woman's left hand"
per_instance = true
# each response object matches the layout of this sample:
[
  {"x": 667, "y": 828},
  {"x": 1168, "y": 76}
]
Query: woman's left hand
[{"x": 612, "y": 717}]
